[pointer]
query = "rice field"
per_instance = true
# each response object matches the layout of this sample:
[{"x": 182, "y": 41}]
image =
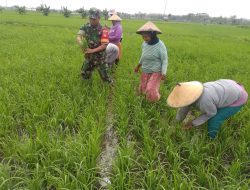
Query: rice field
[{"x": 52, "y": 123}]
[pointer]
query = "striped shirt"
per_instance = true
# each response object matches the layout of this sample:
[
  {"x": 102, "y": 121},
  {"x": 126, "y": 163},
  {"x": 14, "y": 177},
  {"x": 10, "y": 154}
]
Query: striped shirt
[{"x": 154, "y": 58}]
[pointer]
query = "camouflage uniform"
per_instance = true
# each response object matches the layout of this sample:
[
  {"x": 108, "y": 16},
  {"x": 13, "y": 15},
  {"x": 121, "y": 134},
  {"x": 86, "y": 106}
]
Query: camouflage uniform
[{"x": 92, "y": 35}]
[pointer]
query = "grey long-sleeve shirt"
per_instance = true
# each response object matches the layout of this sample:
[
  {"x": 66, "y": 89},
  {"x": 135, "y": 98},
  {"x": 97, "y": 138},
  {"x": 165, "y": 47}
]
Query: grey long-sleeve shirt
[{"x": 217, "y": 94}]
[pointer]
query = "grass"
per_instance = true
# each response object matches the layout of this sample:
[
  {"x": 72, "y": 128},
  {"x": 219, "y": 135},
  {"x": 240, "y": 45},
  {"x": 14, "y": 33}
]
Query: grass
[{"x": 52, "y": 123}]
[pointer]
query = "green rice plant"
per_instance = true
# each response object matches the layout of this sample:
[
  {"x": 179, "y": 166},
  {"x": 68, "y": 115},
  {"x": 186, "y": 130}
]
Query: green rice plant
[{"x": 52, "y": 122}]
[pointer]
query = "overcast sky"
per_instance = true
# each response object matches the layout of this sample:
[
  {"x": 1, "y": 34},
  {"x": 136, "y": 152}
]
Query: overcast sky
[{"x": 226, "y": 8}]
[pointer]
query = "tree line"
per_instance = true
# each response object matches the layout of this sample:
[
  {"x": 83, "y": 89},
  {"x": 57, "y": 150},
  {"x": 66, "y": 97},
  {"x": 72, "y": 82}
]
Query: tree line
[
  {"x": 191, "y": 17},
  {"x": 45, "y": 10}
]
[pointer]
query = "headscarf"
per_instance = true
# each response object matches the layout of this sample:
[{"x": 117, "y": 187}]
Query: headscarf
[{"x": 154, "y": 39}]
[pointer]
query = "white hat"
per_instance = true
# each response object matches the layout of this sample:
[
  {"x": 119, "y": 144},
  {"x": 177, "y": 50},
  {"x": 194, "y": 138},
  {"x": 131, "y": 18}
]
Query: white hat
[
  {"x": 112, "y": 12},
  {"x": 185, "y": 94},
  {"x": 115, "y": 18},
  {"x": 149, "y": 27}
]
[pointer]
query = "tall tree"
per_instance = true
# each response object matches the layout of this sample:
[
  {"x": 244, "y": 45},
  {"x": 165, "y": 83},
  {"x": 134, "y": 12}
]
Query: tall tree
[
  {"x": 1, "y": 8},
  {"x": 66, "y": 12},
  {"x": 105, "y": 14},
  {"x": 82, "y": 12},
  {"x": 21, "y": 10},
  {"x": 44, "y": 9}
]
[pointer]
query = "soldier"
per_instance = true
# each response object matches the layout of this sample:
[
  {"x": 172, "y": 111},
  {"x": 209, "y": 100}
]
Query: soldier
[{"x": 94, "y": 50}]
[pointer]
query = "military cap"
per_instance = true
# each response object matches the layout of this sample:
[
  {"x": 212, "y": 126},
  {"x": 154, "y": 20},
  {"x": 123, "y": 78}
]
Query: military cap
[{"x": 94, "y": 13}]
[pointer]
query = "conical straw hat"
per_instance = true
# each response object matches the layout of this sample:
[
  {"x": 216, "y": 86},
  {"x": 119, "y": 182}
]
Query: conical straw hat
[
  {"x": 185, "y": 94},
  {"x": 115, "y": 17},
  {"x": 149, "y": 27}
]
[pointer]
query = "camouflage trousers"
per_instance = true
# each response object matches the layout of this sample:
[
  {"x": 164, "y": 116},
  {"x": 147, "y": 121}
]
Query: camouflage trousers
[{"x": 90, "y": 64}]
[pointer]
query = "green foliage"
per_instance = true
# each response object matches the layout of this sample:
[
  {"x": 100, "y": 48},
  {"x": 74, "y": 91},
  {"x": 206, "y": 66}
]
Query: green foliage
[
  {"x": 44, "y": 9},
  {"x": 66, "y": 13},
  {"x": 21, "y": 10},
  {"x": 52, "y": 122},
  {"x": 105, "y": 14},
  {"x": 82, "y": 12},
  {"x": 1, "y": 9}
]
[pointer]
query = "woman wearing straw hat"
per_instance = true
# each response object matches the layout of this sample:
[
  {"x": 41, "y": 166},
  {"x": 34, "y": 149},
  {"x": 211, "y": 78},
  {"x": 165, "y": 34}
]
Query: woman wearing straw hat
[
  {"x": 154, "y": 62},
  {"x": 217, "y": 101},
  {"x": 115, "y": 33}
]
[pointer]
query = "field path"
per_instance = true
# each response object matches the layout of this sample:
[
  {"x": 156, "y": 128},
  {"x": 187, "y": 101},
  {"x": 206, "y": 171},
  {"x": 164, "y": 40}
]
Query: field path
[{"x": 109, "y": 146}]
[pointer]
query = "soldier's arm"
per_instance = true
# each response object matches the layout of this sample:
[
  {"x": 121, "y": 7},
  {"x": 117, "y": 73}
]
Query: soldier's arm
[
  {"x": 80, "y": 38},
  {"x": 98, "y": 49}
]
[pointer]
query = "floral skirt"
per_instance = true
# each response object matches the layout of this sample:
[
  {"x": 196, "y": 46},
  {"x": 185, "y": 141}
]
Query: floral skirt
[{"x": 150, "y": 86}]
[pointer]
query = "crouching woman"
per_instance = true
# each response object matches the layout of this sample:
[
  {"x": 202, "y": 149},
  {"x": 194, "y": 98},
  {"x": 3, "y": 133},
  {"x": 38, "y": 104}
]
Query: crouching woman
[{"x": 217, "y": 101}]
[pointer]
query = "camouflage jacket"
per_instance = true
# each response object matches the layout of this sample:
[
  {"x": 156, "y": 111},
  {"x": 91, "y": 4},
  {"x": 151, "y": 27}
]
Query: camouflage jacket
[
  {"x": 93, "y": 37},
  {"x": 91, "y": 34}
]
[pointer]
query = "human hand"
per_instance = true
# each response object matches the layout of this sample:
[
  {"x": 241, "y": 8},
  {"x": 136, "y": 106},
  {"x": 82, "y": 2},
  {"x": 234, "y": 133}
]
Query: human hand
[
  {"x": 83, "y": 50},
  {"x": 106, "y": 26},
  {"x": 187, "y": 126},
  {"x": 163, "y": 77},
  {"x": 88, "y": 50},
  {"x": 136, "y": 70}
]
